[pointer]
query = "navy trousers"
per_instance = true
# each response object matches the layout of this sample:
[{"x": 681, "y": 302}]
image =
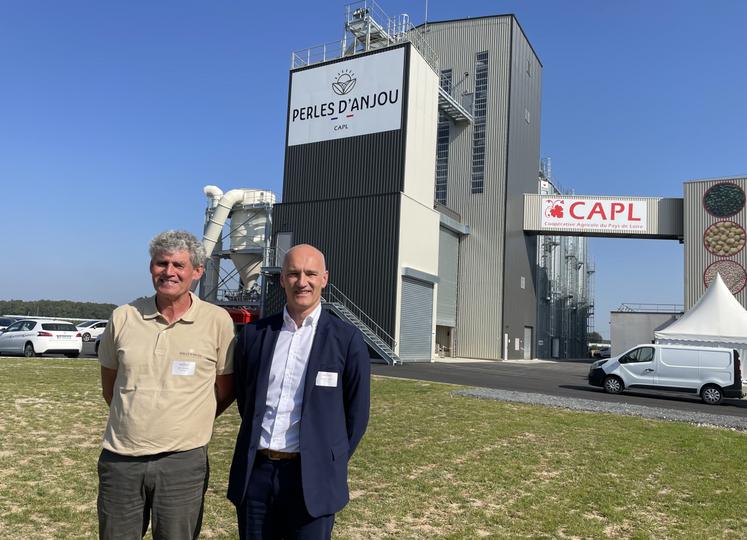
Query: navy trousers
[{"x": 274, "y": 509}]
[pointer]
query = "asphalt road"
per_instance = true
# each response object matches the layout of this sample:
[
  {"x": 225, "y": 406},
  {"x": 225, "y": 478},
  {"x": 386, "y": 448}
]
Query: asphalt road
[
  {"x": 565, "y": 379},
  {"x": 561, "y": 378}
]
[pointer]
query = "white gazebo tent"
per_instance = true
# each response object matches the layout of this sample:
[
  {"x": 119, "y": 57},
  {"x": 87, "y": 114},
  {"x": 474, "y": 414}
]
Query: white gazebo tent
[{"x": 716, "y": 320}]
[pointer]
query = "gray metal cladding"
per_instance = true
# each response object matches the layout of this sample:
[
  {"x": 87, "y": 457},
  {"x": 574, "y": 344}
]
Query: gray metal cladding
[
  {"x": 670, "y": 218},
  {"x": 520, "y": 251},
  {"x": 702, "y": 228},
  {"x": 448, "y": 259},
  {"x": 663, "y": 217},
  {"x": 480, "y": 321},
  {"x": 417, "y": 321},
  {"x": 359, "y": 237},
  {"x": 356, "y": 166}
]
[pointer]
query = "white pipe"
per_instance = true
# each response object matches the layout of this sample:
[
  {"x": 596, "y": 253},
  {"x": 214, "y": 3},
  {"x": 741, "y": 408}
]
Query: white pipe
[
  {"x": 214, "y": 193},
  {"x": 214, "y": 228}
]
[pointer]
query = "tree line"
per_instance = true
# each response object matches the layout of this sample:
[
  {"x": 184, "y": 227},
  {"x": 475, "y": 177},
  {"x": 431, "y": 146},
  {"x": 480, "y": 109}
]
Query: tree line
[{"x": 56, "y": 308}]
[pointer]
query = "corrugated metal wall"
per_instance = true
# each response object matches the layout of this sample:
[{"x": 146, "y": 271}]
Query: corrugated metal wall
[
  {"x": 697, "y": 258},
  {"x": 663, "y": 217},
  {"x": 628, "y": 329},
  {"x": 343, "y": 196},
  {"x": 520, "y": 252},
  {"x": 359, "y": 239},
  {"x": 448, "y": 258},
  {"x": 480, "y": 321},
  {"x": 352, "y": 167}
]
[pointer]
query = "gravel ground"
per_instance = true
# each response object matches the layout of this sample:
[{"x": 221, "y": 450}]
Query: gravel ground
[{"x": 699, "y": 418}]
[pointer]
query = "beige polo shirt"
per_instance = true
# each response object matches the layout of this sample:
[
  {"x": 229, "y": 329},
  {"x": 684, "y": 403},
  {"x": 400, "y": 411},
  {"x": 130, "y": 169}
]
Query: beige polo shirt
[{"x": 164, "y": 397}]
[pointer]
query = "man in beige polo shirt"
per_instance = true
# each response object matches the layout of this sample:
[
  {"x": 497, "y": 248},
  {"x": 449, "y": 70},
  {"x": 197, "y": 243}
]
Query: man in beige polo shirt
[{"x": 166, "y": 373}]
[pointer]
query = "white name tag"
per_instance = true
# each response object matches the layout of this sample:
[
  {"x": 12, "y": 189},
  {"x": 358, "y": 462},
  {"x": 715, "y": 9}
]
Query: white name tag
[
  {"x": 180, "y": 367},
  {"x": 326, "y": 378}
]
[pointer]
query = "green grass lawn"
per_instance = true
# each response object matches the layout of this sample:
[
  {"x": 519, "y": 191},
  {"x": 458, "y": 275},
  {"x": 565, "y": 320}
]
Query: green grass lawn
[{"x": 432, "y": 465}]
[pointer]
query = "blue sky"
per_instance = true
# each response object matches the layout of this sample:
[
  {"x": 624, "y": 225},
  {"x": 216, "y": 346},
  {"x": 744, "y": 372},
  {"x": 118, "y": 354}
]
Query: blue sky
[{"x": 113, "y": 116}]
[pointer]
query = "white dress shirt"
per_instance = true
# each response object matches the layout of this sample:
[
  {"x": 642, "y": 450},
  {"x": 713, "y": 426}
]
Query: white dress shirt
[{"x": 282, "y": 420}]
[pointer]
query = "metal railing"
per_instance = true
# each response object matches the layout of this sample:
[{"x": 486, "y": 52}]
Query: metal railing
[
  {"x": 317, "y": 54},
  {"x": 366, "y": 16},
  {"x": 239, "y": 296},
  {"x": 333, "y": 294},
  {"x": 651, "y": 308}
]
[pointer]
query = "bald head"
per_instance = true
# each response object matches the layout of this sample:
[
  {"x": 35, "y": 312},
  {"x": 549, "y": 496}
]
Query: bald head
[
  {"x": 303, "y": 251},
  {"x": 303, "y": 277}
]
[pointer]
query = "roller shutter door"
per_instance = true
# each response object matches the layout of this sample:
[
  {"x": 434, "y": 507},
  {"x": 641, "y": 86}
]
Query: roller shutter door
[{"x": 416, "y": 325}]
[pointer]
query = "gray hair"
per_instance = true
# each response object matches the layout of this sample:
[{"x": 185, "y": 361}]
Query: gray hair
[{"x": 173, "y": 241}]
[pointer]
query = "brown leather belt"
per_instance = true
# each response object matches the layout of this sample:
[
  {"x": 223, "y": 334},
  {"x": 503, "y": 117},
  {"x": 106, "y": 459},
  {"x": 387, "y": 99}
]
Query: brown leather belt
[{"x": 275, "y": 455}]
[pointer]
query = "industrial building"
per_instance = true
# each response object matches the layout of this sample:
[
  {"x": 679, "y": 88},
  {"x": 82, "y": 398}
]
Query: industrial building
[
  {"x": 408, "y": 154},
  {"x": 464, "y": 102},
  {"x": 565, "y": 287},
  {"x": 411, "y": 161}
]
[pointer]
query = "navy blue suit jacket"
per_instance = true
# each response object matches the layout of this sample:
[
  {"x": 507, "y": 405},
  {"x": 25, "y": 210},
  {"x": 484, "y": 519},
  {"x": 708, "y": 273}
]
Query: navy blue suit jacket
[{"x": 333, "y": 419}]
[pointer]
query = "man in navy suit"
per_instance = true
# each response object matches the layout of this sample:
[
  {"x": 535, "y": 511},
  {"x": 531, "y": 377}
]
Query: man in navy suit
[{"x": 302, "y": 382}]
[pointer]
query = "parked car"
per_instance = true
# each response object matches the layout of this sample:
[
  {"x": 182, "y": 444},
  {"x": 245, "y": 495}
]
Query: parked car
[
  {"x": 96, "y": 345},
  {"x": 90, "y": 330},
  {"x": 604, "y": 352},
  {"x": 34, "y": 337},
  {"x": 5, "y": 322},
  {"x": 711, "y": 372}
]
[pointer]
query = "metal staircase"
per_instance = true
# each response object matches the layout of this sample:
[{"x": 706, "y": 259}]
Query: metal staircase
[{"x": 375, "y": 336}]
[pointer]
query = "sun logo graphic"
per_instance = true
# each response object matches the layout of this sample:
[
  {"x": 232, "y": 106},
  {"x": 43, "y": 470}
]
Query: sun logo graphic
[
  {"x": 554, "y": 208},
  {"x": 344, "y": 83}
]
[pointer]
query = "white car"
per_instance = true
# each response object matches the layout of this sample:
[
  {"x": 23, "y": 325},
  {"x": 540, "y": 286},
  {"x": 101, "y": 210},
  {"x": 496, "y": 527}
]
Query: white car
[
  {"x": 90, "y": 330},
  {"x": 34, "y": 337},
  {"x": 5, "y": 322}
]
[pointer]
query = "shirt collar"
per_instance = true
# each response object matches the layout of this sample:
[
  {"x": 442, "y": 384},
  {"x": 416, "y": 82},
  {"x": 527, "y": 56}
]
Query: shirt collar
[
  {"x": 150, "y": 309},
  {"x": 312, "y": 319}
]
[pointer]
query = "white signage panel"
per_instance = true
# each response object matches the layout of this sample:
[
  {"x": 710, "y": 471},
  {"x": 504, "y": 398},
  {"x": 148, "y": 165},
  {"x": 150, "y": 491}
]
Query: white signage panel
[
  {"x": 355, "y": 97},
  {"x": 581, "y": 213}
]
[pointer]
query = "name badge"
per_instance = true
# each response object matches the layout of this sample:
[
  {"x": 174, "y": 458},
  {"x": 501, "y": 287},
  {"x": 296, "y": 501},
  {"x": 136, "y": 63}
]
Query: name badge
[
  {"x": 183, "y": 368},
  {"x": 326, "y": 378}
]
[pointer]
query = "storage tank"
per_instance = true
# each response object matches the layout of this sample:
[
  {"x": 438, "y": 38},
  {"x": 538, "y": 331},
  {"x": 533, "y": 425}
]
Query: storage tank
[
  {"x": 250, "y": 229},
  {"x": 248, "y": 213}
]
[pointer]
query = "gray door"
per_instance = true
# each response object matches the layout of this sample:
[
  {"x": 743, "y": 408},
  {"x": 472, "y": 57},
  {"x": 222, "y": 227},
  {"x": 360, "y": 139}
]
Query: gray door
[
  {"x": 528, "y": 338},
  {"x": 416, "y": 326},
  {"x": 555, "y": 348}
]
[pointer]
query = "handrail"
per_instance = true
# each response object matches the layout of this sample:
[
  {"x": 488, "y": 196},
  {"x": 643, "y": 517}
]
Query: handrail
[
  {"x": 241, "y": 296},
  {"x": 649, "y": 308},
  {"x": 398, "y": 30},
  {"x": 333, "y": 294},
  {"x": 317, "y": 54}
]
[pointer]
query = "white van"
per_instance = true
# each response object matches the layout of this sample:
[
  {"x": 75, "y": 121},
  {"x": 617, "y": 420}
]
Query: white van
[{"x": 710, "y": 372}]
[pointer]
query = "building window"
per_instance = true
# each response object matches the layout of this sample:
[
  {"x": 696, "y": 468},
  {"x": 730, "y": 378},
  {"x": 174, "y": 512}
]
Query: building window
[
  {"x": 442, "y": 143},
  {"x": 446, "y": 80},
  {"x": 479, "y": 116}
]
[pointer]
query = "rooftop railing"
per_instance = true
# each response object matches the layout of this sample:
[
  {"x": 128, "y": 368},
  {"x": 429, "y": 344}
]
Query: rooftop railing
[{"x": 367, "y": 27}]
